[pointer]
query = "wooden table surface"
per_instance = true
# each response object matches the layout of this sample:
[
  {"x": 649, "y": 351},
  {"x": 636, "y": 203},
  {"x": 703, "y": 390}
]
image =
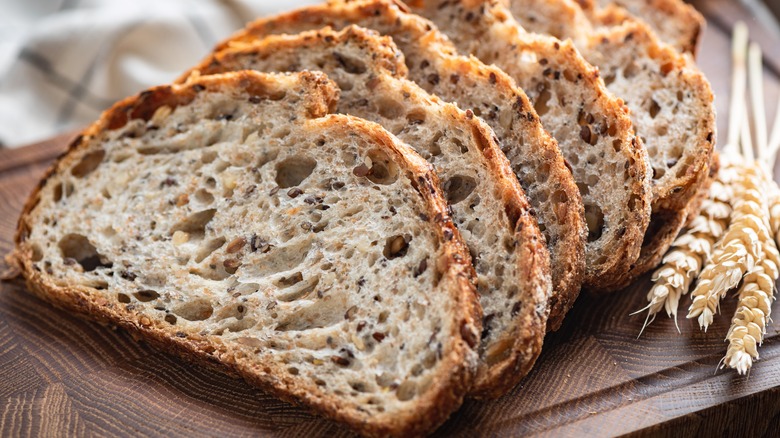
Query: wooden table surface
[{"x": 61, "y": 376}]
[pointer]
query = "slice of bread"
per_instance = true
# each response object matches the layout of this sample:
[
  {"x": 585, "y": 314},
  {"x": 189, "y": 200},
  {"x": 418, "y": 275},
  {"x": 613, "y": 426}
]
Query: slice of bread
[
  {"x": 434, "y": 64},
  {"x": 487, "y": 202},
  {"x": 671, "y": 105},
  {"x": 231, "y": 221},
  {"x": 676, "y": 22},
  {"x": 592, "y": 126}
]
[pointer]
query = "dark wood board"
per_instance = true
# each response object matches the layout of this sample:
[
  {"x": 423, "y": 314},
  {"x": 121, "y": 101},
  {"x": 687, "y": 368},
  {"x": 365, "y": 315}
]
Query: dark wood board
[{"x": 62, "y": 376}]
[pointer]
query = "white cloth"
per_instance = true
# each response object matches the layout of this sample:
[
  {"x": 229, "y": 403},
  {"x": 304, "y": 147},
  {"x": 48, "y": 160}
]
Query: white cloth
[{"x": 64, "y": 61}]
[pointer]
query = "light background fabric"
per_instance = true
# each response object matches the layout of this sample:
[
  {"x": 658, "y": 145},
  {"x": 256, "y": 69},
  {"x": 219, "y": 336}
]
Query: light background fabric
[{"x": 64, "y": 61}]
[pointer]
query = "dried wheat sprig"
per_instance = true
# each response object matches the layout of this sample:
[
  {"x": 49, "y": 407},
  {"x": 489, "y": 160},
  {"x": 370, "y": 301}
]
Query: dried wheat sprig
[
  {"x": 739, "y": 249},
  {"x": 684, "y": 261},
  {"x": 748, "y": 326}
]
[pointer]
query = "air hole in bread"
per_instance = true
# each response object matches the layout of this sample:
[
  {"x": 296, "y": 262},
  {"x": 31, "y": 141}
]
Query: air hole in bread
[
  {"x": 631, "y": 70},
  {"x": 204, "y": 197},
  {"x": 540, "y": 104},
  {"x": 208, "y": 156},
  {"x": 281, "y": 133},
  {"x": 170, "y": 319},
  {"x": 680, "y": 96},
  {"x": 658, "y": 172},
  {"x": 654, "y": 108},
  {"x": 349, "y": 64},
  {"x": 415, "y": 117},
  {"x": 358, "y": 386},
  {"x": 385, "y": 379},
  {"x": 62, "y": 190},
  {"x": 146, "y": 295},
  {"x": 88, "y": 163},
  {"x": 570, "y": 75},
  {"x": 406, "y": 391},
  {"x": 239, "y": 325},
  {"x": 617, "y": 145},
  {"x": 77, "y": 248},
  {"x": 390, "y": 109},
  {"x": 543, "y": 174},
  {"x": 37, "y": 253},
  {"x": 122, "y": 298},
  {"x": 396, "y": 246},
  {"x": 292, "y": 370},
  {"x": 594, "y": 218},
  {"x": 196, "y": 310},
  {"x": 208, "y": 248},
  {"x": 458, "y": 188},
  {"x": 195, "y": 224},
  {"x": 609, "y": 79},
  {"x": 378, "y": 168},
  {"x": 293, "y": 170},
  {"x": 434, "y": 149},
  {"x": 560, "y": 197},
  {"x": 211, "y": 272},
  {"x": 299, "y": 289},
  {"x": 211, "y": 182},
  {"x": 285, "y": 282},
  {"x": 460, "y": 145}
]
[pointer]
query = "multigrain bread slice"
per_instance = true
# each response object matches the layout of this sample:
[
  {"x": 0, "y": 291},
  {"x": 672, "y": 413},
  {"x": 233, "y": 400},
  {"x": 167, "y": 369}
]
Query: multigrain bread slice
[
  {"x": 676, "y": 22},
  {"x": 671, "y": 107},
  {"x": 434, "y": 64},
  {"x": 591, "y": 126},
  {"x": 487, "y": 202},
  {"x": 226, "y": 220}
]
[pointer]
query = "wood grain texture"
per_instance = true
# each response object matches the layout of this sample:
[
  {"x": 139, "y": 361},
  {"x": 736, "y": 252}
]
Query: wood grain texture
[{"x": 61, "y": 376}]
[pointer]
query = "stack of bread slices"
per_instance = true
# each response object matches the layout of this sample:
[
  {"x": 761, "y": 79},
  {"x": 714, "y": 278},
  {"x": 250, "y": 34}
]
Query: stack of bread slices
[{"x": 376, "y": 209}]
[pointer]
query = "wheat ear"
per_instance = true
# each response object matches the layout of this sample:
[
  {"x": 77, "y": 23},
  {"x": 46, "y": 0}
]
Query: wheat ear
[
  {"x": 748, "y": 325},
  {"x": 692, "y": 248},
  {"x": 738, "y": 250}
]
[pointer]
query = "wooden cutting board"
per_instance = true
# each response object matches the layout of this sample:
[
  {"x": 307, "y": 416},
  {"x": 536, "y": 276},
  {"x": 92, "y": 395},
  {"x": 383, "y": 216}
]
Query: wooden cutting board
[{"x": 61, "y": 376}]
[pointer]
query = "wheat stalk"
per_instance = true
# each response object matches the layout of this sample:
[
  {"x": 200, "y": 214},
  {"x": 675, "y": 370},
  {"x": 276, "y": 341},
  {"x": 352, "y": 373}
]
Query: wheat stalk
[
  {"x": 748, "y": 325},
  {"x": 739, "y": 249},
  {"x": 692, "y": 248}
]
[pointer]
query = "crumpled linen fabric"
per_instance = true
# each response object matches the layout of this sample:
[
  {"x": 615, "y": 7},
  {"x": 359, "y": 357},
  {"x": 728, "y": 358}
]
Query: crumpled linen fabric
[{"x": 62, "y": 62}]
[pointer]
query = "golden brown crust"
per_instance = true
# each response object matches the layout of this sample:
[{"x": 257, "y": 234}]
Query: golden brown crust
[
  {"x": 423, "y": 44},
  {"x": 523, "y": 339},
  {"x": 447, "y": 390}
]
